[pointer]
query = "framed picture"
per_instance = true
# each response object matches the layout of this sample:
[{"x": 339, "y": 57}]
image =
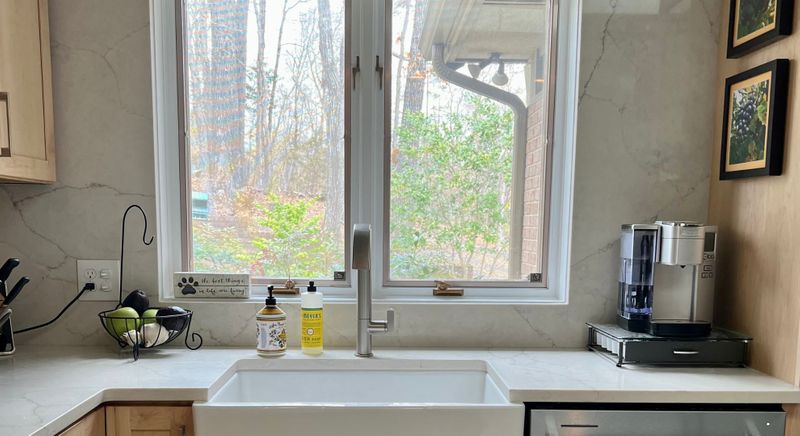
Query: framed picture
[
  {"x": 756, "y": 23},
  {"x": 754, "y": 121}
]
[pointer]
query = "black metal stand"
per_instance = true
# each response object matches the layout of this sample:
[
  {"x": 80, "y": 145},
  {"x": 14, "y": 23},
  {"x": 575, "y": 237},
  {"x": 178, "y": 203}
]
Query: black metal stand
[{"x": 110, "y": 323}]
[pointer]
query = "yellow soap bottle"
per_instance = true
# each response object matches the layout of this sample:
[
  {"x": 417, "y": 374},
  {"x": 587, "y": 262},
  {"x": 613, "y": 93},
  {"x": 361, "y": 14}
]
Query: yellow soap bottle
[{"x": 311, "y": 321}]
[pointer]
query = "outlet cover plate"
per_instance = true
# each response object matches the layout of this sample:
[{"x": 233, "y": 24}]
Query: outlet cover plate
[{"x": 104, "y": 274}]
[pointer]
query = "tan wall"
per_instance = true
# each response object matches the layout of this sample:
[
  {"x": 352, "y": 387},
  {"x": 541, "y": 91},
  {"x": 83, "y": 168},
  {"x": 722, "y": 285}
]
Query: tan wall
[{"x": 758, "y": 286}]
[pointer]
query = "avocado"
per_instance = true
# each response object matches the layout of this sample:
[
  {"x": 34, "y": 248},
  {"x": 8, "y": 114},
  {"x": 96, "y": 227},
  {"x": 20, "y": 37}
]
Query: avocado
[
  {"x": 137, "y": 300},
  {"x": 173, "y": 322}
]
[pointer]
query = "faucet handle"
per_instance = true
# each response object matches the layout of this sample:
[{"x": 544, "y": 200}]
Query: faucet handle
[
  {"x": 382, "y": 327},
  {"x": 390, "y": 321}
]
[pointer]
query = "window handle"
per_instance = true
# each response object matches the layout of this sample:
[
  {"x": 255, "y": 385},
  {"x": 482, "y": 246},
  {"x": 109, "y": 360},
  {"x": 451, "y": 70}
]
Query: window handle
[
  {"x": 356, "y": 69},
  {"x": 379, "y": 69}
]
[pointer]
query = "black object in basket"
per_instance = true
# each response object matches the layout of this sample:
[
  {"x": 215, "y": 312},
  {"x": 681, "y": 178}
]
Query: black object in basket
[{"x": 149, "y": 331}]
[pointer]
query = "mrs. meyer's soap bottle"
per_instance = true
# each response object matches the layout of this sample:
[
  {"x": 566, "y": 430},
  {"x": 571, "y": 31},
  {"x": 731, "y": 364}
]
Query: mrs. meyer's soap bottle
[
  {"x": 271, "y": 328},
  {"x": 311, "y": 321}
]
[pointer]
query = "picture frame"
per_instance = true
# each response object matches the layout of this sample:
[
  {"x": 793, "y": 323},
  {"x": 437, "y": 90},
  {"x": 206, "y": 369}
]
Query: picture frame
[
  {"x": 753, "y": 24},
  {"x": 754, "y": 121}
]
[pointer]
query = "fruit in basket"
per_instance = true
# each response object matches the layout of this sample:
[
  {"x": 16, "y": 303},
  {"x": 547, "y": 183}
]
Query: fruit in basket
[
  {"x": 149, "y": 316},
  {"x": 123, "y": 319},
  {"x": 173, "y": 321},
  {"x": 137, "y": 300},
  {"x": 150, "y": 335},
  {"x": 131, "y": 337},
  {"x": 154, "y": 334}
]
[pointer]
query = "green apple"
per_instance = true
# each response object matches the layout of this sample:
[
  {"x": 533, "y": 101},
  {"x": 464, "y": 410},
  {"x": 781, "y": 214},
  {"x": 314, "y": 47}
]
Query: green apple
[
  {"x": 149, "y": 316},
  {"x": 122, "y": 320}
]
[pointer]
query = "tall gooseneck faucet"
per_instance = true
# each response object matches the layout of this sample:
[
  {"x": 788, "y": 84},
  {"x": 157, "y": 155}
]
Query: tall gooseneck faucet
[{"x": 361, "y": 262}]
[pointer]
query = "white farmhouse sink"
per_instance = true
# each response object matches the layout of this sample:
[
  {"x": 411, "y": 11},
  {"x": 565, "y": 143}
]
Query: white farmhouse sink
[{"x": 358, "y": 397}]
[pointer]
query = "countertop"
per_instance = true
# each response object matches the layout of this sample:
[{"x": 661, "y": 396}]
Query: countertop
[{"x": 43, "y": 390}]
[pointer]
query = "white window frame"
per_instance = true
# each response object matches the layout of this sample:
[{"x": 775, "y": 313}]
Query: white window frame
[{"x": 367, "y": 159}]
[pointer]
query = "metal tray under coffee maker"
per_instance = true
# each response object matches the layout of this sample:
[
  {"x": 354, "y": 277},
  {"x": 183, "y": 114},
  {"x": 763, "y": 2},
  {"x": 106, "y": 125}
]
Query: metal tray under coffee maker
[{"x": 720, "y": 348}]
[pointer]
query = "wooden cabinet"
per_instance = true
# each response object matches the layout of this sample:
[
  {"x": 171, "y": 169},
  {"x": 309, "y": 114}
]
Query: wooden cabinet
[
  {"x": 27, "y": 147},
  {"x": 149, "y": 421},
  {"x": 93, "y": 424}
]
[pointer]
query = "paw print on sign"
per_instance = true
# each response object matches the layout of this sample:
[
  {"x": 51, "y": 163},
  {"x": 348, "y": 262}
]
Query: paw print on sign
[{"x": 187, "y": 286}]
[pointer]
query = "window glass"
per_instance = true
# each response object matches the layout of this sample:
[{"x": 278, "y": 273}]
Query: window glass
[
  {"x": 265, "y": 114},
  {"x": 467, "y": 146}
]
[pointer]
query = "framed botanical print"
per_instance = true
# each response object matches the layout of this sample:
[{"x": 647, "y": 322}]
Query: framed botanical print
[
  {"x": 754, "y": 121},
  {"x": 756, "y": 23}
]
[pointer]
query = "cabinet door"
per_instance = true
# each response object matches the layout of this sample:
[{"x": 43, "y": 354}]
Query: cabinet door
[
  {"x": 93, "y": 424},
  {"x": 27, "y": 150},
  {"x": 149, "y": 421}
]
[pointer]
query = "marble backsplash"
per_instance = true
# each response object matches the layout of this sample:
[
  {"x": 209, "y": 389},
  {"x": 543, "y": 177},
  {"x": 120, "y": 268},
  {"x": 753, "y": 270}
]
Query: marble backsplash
[{"x": 647, "y": 90}]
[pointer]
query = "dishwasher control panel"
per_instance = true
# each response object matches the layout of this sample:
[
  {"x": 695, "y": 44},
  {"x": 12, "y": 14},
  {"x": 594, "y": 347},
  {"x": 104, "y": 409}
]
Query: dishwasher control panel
[{"x": 654, "y": 420}]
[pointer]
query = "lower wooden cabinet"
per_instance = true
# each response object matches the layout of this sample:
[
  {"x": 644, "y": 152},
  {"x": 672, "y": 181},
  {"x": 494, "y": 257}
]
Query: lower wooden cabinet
[
  {"x": 135, "y": 420},
  {"x": 149, "y": 421},
  {"x": 93, "y": 424}
]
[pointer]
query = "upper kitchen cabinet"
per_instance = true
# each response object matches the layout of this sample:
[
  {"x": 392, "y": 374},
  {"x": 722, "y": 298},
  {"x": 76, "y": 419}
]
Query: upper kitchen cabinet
[{"x": 27, "y": 147}]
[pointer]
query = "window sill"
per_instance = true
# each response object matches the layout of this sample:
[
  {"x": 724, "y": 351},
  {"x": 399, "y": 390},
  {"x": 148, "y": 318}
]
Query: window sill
[{"x": 385, "y": 300}]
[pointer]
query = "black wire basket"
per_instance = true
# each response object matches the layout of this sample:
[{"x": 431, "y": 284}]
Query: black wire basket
[
  {"x": 149, "y": 331},
  {"x": 145, "y": 331}
]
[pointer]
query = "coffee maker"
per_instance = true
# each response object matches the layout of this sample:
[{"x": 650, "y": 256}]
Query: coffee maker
[{"x": 666, "y": 278}]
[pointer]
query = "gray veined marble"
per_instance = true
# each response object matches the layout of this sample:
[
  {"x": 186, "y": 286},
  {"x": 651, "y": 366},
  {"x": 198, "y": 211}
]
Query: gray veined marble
[{"x": 645, "y": 121}]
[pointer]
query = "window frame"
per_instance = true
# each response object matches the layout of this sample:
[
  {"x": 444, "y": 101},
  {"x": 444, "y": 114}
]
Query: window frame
[
  {"x": 185, "y": 158},
  {"x": 366, "y": 130},
  {"x": 552, "y": 12}
]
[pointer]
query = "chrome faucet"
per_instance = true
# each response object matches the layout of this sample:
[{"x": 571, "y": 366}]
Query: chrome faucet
[{"x": 361, "y": 262}]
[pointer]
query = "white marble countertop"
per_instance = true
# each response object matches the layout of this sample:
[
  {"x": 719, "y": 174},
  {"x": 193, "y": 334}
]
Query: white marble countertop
[{"x": 43, "y": 390}]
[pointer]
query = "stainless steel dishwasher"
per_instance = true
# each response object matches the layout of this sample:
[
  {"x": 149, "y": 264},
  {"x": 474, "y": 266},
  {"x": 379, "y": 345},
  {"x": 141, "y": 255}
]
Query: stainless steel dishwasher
[{"x": 654, "y": 420}]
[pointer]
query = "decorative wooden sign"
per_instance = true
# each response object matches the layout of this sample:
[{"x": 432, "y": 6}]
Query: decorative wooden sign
[{"x": 211, "y": 285}]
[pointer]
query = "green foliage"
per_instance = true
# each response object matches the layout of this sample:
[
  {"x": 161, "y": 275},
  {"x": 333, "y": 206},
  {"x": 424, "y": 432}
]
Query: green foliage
[
  {"x": 283, "y": 238},
  {"x": 296, "y": 243},
  {"x": 451, "y": 181},
  {"x": 754, "y": 15},
  {"x": 219, "y": 249},
  {"x": 749, "y": 123}
]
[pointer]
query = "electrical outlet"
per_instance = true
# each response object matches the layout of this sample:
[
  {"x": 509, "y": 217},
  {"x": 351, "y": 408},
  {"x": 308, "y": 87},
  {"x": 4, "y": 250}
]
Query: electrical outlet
[{"x": 105, "y": 276}]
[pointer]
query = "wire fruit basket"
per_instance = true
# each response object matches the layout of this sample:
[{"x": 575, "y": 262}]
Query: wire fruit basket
[
  {"x": 136, "y": 330},
  {"x": 149, "y": 331}
]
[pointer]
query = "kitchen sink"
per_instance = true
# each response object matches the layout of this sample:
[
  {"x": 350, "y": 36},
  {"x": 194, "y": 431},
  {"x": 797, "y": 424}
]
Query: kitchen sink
[{"x": 358, "y": 397}]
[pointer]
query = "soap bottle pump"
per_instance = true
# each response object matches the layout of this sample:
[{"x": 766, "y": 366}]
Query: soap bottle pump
[
  {"x": 271, "y": 328},
  {"x": 311, "y": 320}
]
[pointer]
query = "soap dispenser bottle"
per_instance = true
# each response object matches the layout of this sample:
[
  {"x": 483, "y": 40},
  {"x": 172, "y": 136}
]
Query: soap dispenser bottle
[
  {"x": 311, "y": 320},
  {"x": 271, "y": 328}
]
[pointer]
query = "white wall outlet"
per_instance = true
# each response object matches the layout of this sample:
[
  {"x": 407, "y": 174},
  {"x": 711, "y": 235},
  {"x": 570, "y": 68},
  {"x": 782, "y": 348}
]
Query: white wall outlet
[{"x": 105, "y": 276}]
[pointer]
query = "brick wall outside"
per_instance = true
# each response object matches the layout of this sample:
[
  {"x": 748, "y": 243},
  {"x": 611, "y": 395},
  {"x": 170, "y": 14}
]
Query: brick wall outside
[{"x": 533, "y": 200}]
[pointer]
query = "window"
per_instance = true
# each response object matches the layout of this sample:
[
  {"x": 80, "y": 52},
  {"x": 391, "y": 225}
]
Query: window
[
  {"x": 264, "y": 109},
  {"x": 439, "y": 122},
  {"x": 467, "y": 141}
]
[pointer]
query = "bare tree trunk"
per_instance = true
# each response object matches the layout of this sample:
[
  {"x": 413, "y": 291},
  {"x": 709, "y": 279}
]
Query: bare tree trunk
[
  {"x": 398, "y": 74},
  {"x": 198, "y": 69},
  {"x": 260, "y": 10},
  {"x": 262, "y": 156},
  {"x": 332, "y": 88},
  {"x": 264, "y": 162},
  {"x": 415, "y": 80},
  {"x": 227, "y": 96}
]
